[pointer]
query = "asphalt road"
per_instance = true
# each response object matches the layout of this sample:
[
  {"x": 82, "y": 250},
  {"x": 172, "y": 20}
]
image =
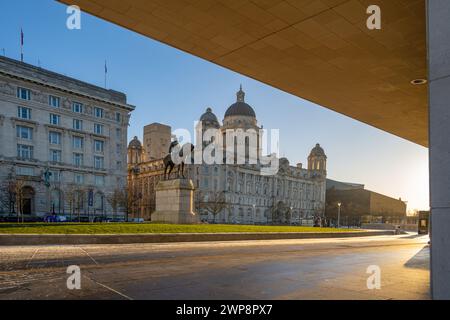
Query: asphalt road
[{"x": 277, "y": 269}]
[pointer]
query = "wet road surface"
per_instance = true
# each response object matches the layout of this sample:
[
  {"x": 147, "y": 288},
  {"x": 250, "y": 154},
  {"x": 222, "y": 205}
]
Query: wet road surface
[{"x": 276, "y": 269}]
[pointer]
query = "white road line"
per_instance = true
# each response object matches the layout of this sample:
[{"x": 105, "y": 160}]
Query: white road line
[
  {"x": 34, "y": 253},
  {"x": 109, "y": 288},
  {"x": 87, "y": 253}
]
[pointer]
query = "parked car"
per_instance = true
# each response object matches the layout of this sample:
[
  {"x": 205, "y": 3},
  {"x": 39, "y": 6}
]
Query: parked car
[{"x": 50, "y": 219}]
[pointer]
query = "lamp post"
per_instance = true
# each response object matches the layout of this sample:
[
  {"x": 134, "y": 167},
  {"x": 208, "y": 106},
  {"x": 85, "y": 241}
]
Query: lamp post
[
  {"x": 290, "y": 216},
  {"x": 339, "y": 214},
  {"x": 254, "y": 213}
]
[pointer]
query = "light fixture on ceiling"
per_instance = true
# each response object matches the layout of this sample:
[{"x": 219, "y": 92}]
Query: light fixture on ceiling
[{"x": 417, "y": 82}]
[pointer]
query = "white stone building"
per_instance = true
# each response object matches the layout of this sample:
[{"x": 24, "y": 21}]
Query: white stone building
[
  {"x": 294, "y": 195},
  {"x": 63, "y": 139}
]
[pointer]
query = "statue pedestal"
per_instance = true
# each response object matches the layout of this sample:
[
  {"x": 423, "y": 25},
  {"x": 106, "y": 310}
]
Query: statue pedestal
[{"x": 175, "y": 202}]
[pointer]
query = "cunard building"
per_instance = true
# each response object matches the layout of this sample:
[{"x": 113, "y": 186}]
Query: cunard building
[
  {"x": 63, "y": 144},
  {"x": 231, "y": 193}
]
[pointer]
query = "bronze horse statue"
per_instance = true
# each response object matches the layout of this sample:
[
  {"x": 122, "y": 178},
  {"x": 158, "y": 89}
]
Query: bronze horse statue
[{"x": 169, "y": 164}]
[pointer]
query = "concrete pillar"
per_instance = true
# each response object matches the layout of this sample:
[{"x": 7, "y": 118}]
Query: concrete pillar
[{"x": 438, "y": 33}]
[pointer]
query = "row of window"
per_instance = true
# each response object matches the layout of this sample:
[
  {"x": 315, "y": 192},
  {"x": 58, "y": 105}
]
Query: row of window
[
  {"x": 26, "y": 152},
  {"x": 55, "y": 102},
  {"x": 55, "y": 119},
  {"x": 55, "y": 176},
  {"x": 26, "y": 133}
]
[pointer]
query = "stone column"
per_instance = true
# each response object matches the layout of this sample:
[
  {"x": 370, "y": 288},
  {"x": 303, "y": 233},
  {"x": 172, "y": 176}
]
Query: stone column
[{"x": 438, "y": 33}]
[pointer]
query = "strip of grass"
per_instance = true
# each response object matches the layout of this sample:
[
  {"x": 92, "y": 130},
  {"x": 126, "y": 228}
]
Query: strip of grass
[{"x": 117, "y": 228}]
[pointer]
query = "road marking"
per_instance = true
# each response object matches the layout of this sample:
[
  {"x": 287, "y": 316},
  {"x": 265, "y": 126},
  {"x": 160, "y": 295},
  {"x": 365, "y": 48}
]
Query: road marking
[
  {"x": 87, "y": 253},
  {"x": 109, "y": 288},
  {"x": 34, "y": 253}
]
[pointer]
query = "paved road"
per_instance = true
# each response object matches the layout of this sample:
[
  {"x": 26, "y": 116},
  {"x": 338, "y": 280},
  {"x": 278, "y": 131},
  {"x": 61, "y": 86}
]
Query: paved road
[{"x": 278, "y": 269}]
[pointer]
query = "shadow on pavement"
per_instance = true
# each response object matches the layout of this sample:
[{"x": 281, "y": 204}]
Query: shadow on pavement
[{"x": 421, "y": 260}]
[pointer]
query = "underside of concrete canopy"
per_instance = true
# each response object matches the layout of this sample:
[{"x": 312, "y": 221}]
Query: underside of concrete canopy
[{"x": 319, "y": 50}]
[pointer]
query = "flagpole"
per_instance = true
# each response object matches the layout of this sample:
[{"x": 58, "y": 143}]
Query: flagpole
[
  {"x": 21, "y": 44},
  {"x": 106, "y": 71}
]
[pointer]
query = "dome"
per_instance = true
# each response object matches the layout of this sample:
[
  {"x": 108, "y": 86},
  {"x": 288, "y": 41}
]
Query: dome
[
  {"x": 317, "y": 151},
  {"x": 209, "y": 116},
  {"x": 135, "y": 143},
  {"x": 240, "y": 108}
]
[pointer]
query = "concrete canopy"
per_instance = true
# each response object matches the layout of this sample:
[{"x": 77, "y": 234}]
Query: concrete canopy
[{"x": 319, "y": 50}]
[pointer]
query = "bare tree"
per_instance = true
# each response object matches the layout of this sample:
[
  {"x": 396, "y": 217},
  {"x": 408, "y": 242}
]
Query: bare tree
[
  {"x": 17, "y": 187},
  {"x": 8, "y": 195},
  {"x": 80, "y": 198},
  {"x": 213, "y": 202},
  {"x": 69, "y": 195},
  {"x": 117, "y": 199}
]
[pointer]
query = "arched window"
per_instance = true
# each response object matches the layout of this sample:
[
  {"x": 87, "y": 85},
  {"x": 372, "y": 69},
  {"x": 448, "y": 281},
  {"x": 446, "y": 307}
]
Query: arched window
[{"x": 27, "y": 200}]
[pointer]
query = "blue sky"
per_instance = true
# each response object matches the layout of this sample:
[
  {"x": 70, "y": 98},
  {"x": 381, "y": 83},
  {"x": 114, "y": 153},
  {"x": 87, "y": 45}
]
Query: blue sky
[{"x": 172, "y": 87}]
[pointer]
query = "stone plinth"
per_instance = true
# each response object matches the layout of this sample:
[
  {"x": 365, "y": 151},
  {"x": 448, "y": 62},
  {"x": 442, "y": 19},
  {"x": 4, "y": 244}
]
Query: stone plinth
[{"x": 175, "y": 202}]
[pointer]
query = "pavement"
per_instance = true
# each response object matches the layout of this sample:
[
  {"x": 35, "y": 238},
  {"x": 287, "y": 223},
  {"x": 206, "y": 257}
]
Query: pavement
[
  {"x": 262, "y": 269},
  {"x": 83, "y": 239}
]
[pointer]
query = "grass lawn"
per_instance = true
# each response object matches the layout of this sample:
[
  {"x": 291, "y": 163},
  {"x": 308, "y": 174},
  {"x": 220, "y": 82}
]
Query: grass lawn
[{"x": 114, "y": 228}]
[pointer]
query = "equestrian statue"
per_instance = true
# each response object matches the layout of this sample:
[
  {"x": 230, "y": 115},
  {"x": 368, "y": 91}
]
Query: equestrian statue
[{"x": 177, "y": 156}]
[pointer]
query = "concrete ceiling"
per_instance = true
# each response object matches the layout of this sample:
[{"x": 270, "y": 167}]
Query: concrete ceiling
[{"x": 319, "y": 50}]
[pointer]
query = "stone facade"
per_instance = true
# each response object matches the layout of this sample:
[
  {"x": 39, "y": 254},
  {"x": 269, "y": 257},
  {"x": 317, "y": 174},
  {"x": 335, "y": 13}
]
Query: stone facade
[
  {"x": 63, "y": 139},
  {"x": 156, "y": 141},
  {"x": 357, "y": 202},
  {"x": 294, "y": 195},
  {"x": 175, "y": 202}
]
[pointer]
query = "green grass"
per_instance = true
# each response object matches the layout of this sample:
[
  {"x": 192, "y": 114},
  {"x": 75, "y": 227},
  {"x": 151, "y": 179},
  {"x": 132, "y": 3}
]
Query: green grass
[{"x": 115, "y": 228}]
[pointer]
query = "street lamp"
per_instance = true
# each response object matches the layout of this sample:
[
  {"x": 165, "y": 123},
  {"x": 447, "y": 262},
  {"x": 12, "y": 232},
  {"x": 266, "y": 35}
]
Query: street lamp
[
  {"x": 339, "y": 214},
  {"x": 290, "y": 216},
  {"x": 254, "y": 213}
]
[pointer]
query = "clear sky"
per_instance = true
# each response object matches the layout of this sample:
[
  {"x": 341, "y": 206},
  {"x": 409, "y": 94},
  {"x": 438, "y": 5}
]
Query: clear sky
[{"x": 172, "y": 87}]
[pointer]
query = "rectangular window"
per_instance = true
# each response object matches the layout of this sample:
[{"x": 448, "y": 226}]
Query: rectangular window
[
  {"x": 24, "y": 113},
  {"x": 54, "y": 137},
  {"x": 78, "y": 159},
  {"x": 98, "y": 128},
  {"x": 119, "y": 165},
  {"x": 78, "y": 124},
  {"x": 78, "y": 178},
  {"x": 118, "y": 134},
  {"x": 118, "y": 149},
  {"x": 24, "y": 132},
  {"x": 24, "y": 94},
  {"x": 99, "y": 146},
  {"x": 55, "y": 155},
  {"x": 54, "y": 101},
  {"x": 118, "y": 117},
  {"x": 99, "y": 162},
  {"x": 25, "y": 171},
  {"x": 77, "y": 142},
  {"x": 24, "y": 151},
  {"x": 55, "y": 119},
  {"x": 98, "y": 112},
  {"x": 100, "y": 180},
  {"x": 55, "y": 176},
  {"x": 77, "y": 107}
]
